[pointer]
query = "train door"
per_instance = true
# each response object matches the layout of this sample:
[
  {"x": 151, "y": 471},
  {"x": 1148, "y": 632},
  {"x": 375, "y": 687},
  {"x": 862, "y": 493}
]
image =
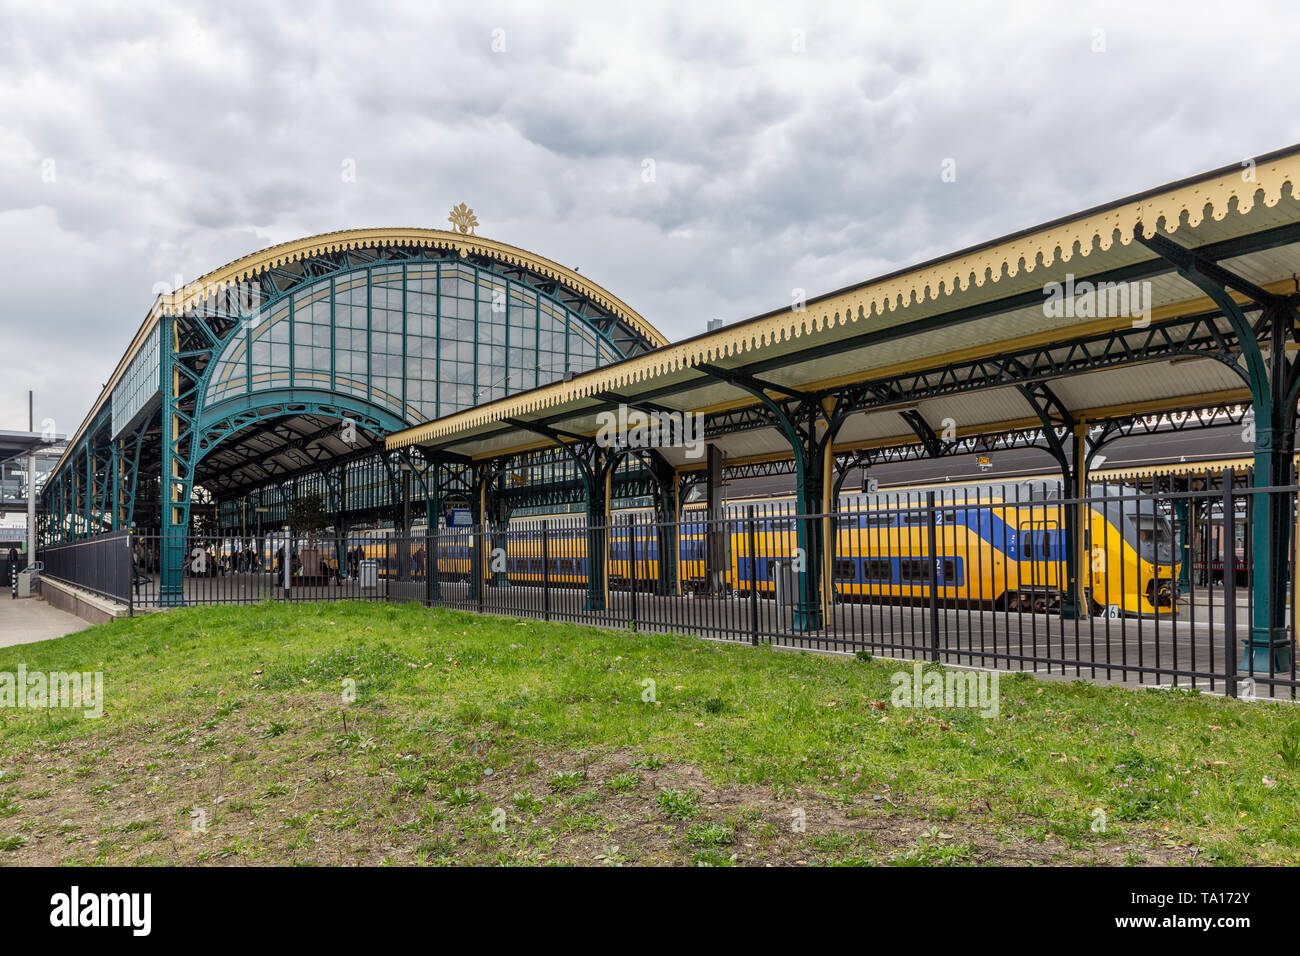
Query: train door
[{"x": 1040, "y": 544}]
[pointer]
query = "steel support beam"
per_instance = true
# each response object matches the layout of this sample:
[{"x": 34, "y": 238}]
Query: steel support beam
[
  {"x": 1053, "y": 414},
  {"x": 1273, "y": 382},
  {"x": 810, "y": 426}
]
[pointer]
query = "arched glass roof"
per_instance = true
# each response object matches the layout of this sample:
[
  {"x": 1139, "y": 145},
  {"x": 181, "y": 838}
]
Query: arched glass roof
[{"x": 419, "y": 338}]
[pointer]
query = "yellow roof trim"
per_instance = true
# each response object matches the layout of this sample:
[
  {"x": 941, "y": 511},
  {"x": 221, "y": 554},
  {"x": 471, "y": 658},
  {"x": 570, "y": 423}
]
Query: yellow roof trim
[
  {"x": 255, "y": 263},
  {"x": 1175, "y": 468},
  {"x": 1182, "y": 207}
]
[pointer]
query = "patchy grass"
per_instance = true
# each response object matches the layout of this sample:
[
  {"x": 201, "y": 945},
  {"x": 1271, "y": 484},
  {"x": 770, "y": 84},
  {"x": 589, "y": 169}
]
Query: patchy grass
[{"x": 364, "y": 734}]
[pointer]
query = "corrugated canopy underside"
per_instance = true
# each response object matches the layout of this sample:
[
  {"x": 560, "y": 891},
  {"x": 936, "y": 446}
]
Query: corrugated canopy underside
[{"x": 983, "y": 302}]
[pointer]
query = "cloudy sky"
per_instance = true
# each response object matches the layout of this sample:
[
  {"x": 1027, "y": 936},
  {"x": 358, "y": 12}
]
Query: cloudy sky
[{"x": 790, "y": 147}]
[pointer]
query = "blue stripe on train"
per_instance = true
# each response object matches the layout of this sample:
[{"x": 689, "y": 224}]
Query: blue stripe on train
[{"x": 957, "y": 573}]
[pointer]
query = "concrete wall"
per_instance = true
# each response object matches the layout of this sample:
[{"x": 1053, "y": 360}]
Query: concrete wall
[{"x": 86, "y": 606}]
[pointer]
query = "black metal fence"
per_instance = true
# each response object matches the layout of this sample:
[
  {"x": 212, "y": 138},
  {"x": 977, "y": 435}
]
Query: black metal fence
[
  {"x": 1157, "y": 589},
  {"x": 1160, "y": 591},
  {"x": 101, "y": 565},
  {"x": 282, "y": 567}
]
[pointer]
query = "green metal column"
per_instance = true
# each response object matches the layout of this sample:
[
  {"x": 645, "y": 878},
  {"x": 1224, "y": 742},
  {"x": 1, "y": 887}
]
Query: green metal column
[
  {"x": 597, "y": 485},
  {"x": 799, "y": 416},
  {"x": 115, "y": 483},
  {"x": 1269, "y": 647},
  {"x": 1078, "y": 579},
  {"x": 476, "y": 548},
  {"x": 88, "y": 500},
  {"x": 809, "y": 483},
  {"x": 1053, "y": 414},
  {"x": 498, "y": 517},
  {"x": 175, "y": 487},
  {"x": 433, "y": 587},
  {"x": 1273, "y": 389},
  {"x": 664, "y": 489}
]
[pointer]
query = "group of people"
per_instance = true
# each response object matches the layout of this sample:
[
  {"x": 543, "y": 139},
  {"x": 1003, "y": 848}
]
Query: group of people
[
  {"x": 207, "y": 559},
  {"x": 355, "y": 557}
]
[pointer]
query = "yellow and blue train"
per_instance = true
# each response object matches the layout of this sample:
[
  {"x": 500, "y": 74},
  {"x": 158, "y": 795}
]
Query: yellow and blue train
[
  {"x": 998, "y": 545},
  {"x": 992, "y": 548}
]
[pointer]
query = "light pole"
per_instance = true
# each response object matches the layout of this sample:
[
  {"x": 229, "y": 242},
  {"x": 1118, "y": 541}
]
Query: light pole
[{"x": 31, "y": 484}]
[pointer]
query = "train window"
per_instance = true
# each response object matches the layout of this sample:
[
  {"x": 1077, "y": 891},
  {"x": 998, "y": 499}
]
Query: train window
[
  {"x": 846, "y": 570},
  {"x": 1027, "y": 546},
  {"x": 1153, "y": 530},
  {"x": 948, "y": 571},
  {"x": 878, "y": 521},
  {"x": 914, "y": 570},
  {"x": 878, "y": 569}
]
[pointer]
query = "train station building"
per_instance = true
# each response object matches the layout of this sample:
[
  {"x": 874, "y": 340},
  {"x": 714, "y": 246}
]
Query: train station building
[{"x": 396, "y": 372}]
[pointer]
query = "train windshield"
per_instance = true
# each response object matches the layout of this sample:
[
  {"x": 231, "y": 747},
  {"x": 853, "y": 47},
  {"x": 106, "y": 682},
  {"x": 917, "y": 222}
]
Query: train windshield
[{"x": 1154, "y": 537}]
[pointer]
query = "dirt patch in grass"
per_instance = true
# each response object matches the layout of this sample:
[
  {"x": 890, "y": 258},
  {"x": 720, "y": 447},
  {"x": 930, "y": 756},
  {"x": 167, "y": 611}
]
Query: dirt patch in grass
[{"x": 307, "y": 782}]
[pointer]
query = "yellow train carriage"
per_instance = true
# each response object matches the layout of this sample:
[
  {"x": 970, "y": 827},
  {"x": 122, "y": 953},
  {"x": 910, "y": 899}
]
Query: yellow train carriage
[{"x": 988, "y": 551}]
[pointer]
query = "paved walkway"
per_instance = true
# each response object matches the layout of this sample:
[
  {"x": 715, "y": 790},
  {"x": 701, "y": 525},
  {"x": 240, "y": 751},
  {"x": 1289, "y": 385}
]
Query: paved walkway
[{"x": 25, "y": 620}]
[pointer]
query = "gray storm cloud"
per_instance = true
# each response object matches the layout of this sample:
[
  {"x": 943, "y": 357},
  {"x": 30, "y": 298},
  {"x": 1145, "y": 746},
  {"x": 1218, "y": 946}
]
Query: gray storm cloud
[{"x": 792, "y": 147}]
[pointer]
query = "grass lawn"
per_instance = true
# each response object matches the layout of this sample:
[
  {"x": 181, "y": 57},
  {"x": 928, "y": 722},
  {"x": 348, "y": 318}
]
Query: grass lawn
[{"x": 226, "y": 738}]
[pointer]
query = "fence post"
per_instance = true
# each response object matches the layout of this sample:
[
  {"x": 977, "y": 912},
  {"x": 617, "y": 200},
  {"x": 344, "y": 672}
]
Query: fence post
[
  {"x": 546, "y": 571},
  {"x": 752, "y": 547},
  {"x": 932, "y": 545},
  {"x": 287, "y": 562},
  {"x": 632, "y": 564},
  {"x": 430, "y": 562},
  {"x": 130, "y": 574},
  {"x": 1229, "y": 586},
  {"x": 480, "y": 569}
]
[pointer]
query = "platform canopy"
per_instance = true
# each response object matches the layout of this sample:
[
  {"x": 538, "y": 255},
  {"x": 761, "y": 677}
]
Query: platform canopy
[
  {"x": 16, "y": 444},
  {"x": 1098, "y": 314}
]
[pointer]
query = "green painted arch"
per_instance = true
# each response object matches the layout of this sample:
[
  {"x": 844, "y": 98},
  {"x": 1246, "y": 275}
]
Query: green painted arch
[{"x": 228, "y": 418}]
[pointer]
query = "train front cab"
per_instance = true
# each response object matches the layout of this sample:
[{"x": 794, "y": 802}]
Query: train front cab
[{"x": 1133, "y": 555}]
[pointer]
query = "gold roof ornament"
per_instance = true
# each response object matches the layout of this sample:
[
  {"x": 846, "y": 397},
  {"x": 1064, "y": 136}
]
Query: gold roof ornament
[{"x": 463, "y": 218}]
